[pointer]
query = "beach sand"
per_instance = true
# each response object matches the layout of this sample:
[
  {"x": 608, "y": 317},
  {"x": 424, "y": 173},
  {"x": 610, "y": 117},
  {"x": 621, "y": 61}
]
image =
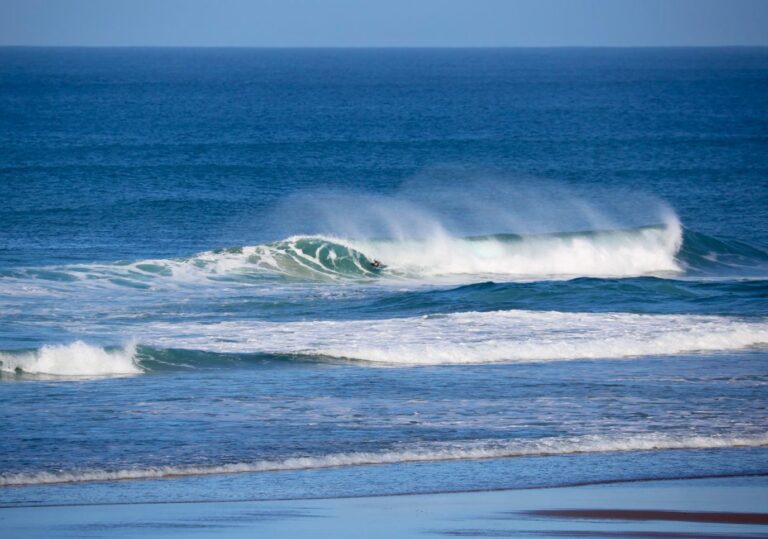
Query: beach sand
[{"x": 724, "y": 507}]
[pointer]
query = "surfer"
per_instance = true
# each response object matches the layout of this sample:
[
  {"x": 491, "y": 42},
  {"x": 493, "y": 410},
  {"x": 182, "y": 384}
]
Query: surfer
[{"x": 376, "y": 263}]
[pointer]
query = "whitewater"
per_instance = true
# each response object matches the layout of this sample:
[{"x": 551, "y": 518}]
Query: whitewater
[{"x": 579, "y": 299}]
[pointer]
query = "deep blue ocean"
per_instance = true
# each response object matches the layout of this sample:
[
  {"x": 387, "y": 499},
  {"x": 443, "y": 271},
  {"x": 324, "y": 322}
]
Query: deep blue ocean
[{"x": 265, "y": 273}]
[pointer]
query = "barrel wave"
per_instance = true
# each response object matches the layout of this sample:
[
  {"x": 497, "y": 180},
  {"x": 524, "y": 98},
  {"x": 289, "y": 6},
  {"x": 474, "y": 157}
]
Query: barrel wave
[
  {"x": 665, "y": 250},
  {"x": 604, "y": 253}
]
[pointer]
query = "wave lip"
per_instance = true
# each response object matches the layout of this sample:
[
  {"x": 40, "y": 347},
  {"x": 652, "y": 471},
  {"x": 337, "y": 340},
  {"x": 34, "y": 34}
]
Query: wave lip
[
  {"x": 72, "y": 360},
  {"x": 445, "y": 451}
]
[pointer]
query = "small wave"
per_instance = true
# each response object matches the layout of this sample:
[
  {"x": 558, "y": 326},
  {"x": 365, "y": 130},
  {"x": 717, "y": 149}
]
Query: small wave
[
  {"x": 471, "y": 337},
  {"x": 72, "y": 360},
  {"x": 417, "y": 453}
]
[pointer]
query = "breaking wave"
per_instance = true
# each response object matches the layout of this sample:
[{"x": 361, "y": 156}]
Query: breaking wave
[
  {"x": 439, "y": 451},
  {"x": 74, "y": 360},
  {"x": 515, "y": 336},
  {"x": 617, "y": 253},
  {"x": 602, "y": 253},
  {"x": 651, "y": 250},
  {"x": 459, "y": 338}
]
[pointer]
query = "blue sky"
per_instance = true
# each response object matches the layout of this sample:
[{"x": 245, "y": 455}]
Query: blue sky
[{"x": 384, "y": 23}]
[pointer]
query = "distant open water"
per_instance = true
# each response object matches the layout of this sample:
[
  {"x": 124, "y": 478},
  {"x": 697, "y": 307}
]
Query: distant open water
[{"x": 572, "y": 287}]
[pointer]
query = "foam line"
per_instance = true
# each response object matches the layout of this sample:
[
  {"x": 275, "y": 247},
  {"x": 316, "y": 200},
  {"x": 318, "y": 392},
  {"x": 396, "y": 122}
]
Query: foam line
[{"x": 416, "y": 453}]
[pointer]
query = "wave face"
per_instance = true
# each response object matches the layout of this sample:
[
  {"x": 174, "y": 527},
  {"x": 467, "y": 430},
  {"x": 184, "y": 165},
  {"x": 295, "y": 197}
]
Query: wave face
[
  {"x": 417, "y": 453},
  {"x": 309, "y": 257}
]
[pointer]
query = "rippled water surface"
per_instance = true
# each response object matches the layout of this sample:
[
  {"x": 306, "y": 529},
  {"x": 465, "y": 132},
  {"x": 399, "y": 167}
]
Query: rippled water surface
[{"x": 287, "y": 273}]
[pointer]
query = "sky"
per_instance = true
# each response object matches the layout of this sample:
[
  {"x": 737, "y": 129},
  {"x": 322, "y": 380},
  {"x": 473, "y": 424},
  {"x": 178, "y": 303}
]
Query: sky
[{"x": 384, "y": 23}]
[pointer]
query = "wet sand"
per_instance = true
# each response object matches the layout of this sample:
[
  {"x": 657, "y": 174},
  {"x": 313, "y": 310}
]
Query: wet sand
[
  {"x": 727, "y": 507},
  {"x": 672, "y": 516}
]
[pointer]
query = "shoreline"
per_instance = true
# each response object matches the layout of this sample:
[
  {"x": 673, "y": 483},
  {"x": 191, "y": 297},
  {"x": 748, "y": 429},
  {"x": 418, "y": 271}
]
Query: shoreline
[
  {"x": 597, "y": 483},
  {"x": 705, "y": 507},
  {"x": 522, "y": 474}
]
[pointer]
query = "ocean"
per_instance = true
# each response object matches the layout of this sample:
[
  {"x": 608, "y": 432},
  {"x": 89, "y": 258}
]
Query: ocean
[{"x": 297, "y": 273}]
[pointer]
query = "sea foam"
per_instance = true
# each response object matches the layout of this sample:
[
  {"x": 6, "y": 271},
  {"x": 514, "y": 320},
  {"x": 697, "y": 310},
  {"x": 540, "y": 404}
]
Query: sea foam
[
  {"x": 515, "y": 336},
  {"x": 597, "y": 254},
  {"x": 75, "y": 359}
]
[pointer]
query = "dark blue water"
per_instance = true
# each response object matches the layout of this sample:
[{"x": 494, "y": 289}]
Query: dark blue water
[{"x": 571, "y": 286}]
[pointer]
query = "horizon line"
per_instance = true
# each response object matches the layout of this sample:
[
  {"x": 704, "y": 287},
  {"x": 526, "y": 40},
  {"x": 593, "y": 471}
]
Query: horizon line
[{"x": 735, "y": 46}]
